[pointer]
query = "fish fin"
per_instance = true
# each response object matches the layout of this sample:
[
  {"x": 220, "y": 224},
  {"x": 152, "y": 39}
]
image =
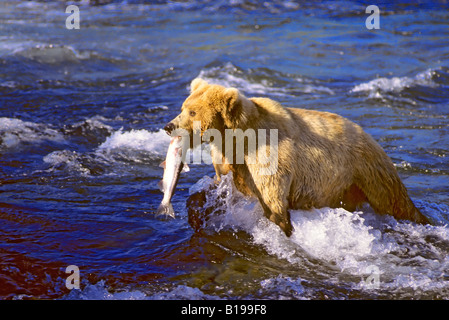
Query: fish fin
[
  {"x": 160, "y": 184},
  {"x": 162, "y": 165},
  {"x": 166, "y": 210},
  {"x": 185, "y": 168}
]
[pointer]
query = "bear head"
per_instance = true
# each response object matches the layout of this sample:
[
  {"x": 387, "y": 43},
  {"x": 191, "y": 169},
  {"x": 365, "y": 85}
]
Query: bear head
[{"x": 209, "y": 106}]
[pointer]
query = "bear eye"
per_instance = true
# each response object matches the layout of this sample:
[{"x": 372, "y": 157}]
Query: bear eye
[{"x": 192, "y": 113}]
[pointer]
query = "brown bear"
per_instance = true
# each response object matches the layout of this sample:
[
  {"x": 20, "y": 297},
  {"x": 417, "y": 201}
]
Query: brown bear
[{"x": 323, "y": 159}]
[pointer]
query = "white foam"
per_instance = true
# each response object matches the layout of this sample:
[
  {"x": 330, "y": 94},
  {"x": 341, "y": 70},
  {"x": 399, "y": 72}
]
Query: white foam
[
  {"x": 99, "y": 291},
  {"x": 395, "y": 84},
  {"x": 13, "y": 132},
  {"x": 140, "y": 140},
  {"x": 334, "y": 235},
  {"x": 308, "y": 88},
  {"x": 9, "y": 84}
]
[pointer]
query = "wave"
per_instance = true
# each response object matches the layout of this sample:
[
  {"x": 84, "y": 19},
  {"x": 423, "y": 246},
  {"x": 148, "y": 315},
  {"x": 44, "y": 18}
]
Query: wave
[
  {"x": 92, "y": 130},
  {"x": 262, "y": 81},
  {"x": 320, "y": 8},
  {"x": 229, "y": 75},
  {"x": 209, "y": 6},
  {"x": 16, "y": 132},
  {"x": 324, "y": 8},
  {"x": 99, "y": 291},
  {"x": 84, "y": 164},
  {"x": 143, "y": 140},
  {"x": 44, "y": 52},
  {"x": 353, "y": 244},
  {"x": 375, "y": 88},
  {"x": 274, "y": 288},
  {"x": 120, "y": 148},
  {"x": 55, "y": 54}
]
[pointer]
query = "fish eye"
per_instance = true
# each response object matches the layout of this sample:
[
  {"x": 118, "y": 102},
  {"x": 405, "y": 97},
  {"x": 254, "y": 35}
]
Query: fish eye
[{"x": 192, "y": 113}]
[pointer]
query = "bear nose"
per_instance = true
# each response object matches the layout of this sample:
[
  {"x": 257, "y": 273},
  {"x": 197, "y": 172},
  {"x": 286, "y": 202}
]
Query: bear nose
[{"x": 169, "y": 127}]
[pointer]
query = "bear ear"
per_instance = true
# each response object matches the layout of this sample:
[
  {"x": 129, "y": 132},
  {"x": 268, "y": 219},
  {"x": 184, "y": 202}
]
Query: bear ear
[
  {"x": 233, "y": 107},
  {"x": 196, "y": 83}
]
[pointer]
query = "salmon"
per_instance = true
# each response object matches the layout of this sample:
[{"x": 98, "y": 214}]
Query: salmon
[{"x": 173, "y": 166}]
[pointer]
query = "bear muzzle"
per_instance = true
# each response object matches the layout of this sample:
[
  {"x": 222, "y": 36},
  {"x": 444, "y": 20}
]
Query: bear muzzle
[{"x": 169, "y": 127}]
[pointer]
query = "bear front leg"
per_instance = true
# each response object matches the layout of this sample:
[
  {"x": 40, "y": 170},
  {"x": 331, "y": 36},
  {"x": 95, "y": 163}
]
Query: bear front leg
[
  {"x": 274, "y": 191},
  {"x": 220, "y": 165},
  {"x": 220, "y": 169},
  {"x": 276, "y": 210},
  {"x": 279, "y": 214},
  {"x": 217, "y": 177}
]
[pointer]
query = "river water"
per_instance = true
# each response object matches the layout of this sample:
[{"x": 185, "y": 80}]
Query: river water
[{"x": 81, "y": 112}]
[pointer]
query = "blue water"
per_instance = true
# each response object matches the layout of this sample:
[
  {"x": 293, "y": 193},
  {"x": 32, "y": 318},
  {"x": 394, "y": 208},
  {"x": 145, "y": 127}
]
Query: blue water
[{"x": 81, "y": 113}]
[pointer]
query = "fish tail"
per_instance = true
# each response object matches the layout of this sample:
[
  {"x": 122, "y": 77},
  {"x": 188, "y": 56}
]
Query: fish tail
[{"x": 166, "y": 209}]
